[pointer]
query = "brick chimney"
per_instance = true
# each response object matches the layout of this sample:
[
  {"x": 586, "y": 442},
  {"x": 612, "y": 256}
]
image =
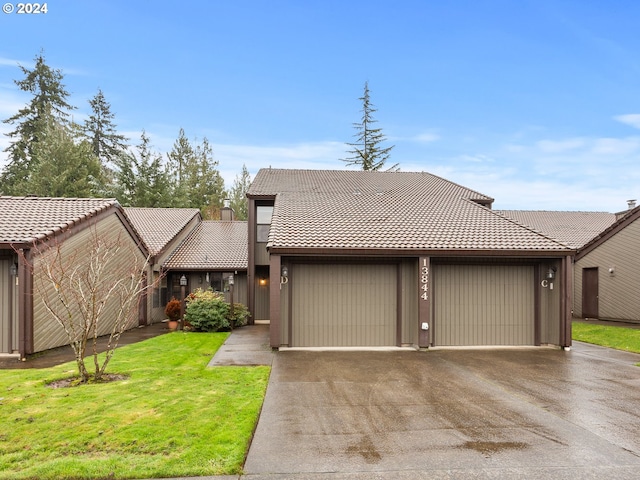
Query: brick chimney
[{"x": 226, "y": 212}]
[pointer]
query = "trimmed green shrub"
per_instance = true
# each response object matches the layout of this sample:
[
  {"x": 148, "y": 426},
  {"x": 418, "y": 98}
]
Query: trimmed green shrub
[
  {"x": 240, "y": 315},
  {"x": 207, "y": 311}
]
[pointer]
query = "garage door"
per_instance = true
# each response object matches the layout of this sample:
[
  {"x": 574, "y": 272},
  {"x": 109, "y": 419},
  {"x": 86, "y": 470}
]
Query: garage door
[
  {"x": 483, "y": 305},
  {"x": 343, "y": 305}
]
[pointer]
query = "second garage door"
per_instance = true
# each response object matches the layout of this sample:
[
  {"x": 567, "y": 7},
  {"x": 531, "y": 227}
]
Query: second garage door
[
  {"x": 343, "y": 305},
  {"x": 483, "y": 305}
]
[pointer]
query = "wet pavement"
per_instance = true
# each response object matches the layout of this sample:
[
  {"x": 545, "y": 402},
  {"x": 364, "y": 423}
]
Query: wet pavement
[
  {"x": 60, "y": 355},
  {"x": 511, "y": 413}
]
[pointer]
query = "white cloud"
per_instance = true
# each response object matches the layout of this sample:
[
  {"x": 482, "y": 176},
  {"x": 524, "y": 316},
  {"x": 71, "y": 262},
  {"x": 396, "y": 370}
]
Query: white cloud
[
  {"x": 559, "y": 146},
  {"x": 632, "y": 119},
  {"x": 616, "y": 146},
  {"x": 426, "y": 137}
]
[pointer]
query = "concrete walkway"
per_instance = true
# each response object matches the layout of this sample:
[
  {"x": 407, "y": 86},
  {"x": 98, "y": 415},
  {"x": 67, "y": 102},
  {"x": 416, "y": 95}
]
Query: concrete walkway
[{"x": 246, "y": 346}]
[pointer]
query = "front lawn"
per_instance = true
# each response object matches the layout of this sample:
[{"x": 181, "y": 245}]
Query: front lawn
[
  {"x": 620, "y": 338},
  {"x": 172, "y": 416}
]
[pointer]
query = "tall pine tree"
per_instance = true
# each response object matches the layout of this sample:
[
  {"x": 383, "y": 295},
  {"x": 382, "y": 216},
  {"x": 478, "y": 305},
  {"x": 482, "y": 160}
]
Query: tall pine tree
[
  {"x": 238, "y": 194},
  {"x": 107, "y": 144},
  {"x": 367, "y": 150},
  {"x": 49, "y": 101}
]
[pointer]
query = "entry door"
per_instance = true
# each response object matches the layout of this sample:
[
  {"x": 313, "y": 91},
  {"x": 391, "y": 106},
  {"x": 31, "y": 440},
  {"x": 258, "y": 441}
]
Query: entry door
[{"x": 590, "y": 293}]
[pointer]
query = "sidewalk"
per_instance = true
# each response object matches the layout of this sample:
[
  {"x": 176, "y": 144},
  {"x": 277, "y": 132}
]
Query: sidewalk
[{"x": 246, "y": 346}]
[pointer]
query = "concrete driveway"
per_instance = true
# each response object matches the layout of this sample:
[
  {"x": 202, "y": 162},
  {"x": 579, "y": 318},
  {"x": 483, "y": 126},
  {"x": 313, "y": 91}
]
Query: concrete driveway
[{"x": 519, "y": 413}]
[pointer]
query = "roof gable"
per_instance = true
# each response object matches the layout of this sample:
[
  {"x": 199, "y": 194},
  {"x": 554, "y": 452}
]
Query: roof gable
[
  {"x": 28, "y": 219},
  {"x": 630, "y": 217},
  {"x": 158, "y": 226}
]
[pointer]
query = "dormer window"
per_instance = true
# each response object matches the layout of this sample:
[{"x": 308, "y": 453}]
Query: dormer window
[{"x": 263, "y": 223}]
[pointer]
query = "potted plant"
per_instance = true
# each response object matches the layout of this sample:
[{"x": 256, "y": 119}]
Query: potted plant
[{"x": 172, "y": 310}]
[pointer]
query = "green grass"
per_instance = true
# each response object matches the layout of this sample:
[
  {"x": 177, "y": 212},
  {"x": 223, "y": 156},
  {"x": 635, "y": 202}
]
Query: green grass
[
  {"x": 620, "y": 338},
  {"x": 171, "y": 417}
]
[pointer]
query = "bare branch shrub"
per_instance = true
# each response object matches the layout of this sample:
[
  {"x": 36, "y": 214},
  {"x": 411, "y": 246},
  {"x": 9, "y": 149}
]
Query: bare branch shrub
[{"x": 91, "y": 290}]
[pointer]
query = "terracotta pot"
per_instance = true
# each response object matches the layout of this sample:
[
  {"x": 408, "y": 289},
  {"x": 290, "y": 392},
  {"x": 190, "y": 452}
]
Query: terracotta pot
[{"x": 173, "y": 324}]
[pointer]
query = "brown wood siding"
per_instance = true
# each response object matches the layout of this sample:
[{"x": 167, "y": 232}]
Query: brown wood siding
[
  {"x": 262, "y": 255},
  {"x": 262, "y": 297},
  {"x": 8, "y": 307},
  {"x": 47, "y": 333},
  {"x": 343, "y": 305},
  {"x": 619, "y": 292},
  {"x": 483, "y": 305},
  {"x": 410, "y": 325}
]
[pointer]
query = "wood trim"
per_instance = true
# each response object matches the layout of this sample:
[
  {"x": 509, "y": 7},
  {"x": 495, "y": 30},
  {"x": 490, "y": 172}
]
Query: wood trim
[
  {"x": 609, "y": 232},
  {"x": 251, "y": 260},
  {"x": 537, "y": 299},
  {"x": 274, "y": 301},
  {"x": 566, "y": 303},
  {"x": 373, "y": 252},
  {"x": 424, "y": 306},
  {"x": 399, "y": 304}
]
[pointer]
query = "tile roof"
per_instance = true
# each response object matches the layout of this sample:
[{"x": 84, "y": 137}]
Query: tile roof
[
  {"x": 213, "y": 245},
  {"x": 158, "y": 226},
  {"x": 25, "y": 219},
  {"x": 574, "y": 229},
  {"x": 386, "y": 211}
]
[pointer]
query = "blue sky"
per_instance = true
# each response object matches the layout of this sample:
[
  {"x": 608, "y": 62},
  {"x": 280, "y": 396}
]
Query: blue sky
[{"x": 536, "y": 103}]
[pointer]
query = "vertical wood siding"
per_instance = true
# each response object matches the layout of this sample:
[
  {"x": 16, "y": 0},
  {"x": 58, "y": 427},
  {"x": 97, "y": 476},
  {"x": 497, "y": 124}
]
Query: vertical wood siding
[
  {"x": 483, "y": 305},
  {"x": 262, "y": 298},
  {"x": 47, "y": 333},
  {"x": 344, "y": 305},
  {"x": 410, "y": 292},
  {"x": 6, "y": 343},
  {"x": 619, "y": 292}
]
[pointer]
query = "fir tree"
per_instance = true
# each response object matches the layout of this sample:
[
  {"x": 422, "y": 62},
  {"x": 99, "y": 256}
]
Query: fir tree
[
  {"x": 367, "y": 151},
  {"x": 238, "y": 194},
  {"x": 49, "y": 101}
]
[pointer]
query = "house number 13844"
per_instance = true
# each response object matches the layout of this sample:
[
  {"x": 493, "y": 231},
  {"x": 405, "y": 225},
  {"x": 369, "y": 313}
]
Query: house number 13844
[{"x": 424, "y": 281}]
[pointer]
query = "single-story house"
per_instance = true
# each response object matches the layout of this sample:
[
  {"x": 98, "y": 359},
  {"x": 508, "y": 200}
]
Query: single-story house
[
  {"x": 607, "y": 266},
  {"x": 607, "y": 280},
  {"x": 162, "y": 230},
  {"x": 27, "y": 226},
  {"x": 210, "y": 255},
  {"x": 362, "y": 259}
]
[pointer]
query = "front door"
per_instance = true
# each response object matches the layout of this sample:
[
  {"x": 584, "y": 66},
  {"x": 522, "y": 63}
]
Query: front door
[{"x": 590, "y": 293}]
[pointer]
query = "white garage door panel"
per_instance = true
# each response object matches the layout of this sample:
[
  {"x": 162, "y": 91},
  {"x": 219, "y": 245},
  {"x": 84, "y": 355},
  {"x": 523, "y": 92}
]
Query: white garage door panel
[
  {"x": 483, "y": 305},
  {"x": 343, "y": 305}
]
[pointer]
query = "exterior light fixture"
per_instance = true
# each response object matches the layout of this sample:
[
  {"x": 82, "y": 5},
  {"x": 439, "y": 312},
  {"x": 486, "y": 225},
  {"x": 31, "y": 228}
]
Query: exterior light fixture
[
  {"x": 13, "y": 270},
  {"x": 183, "y": 281},
  {"x": 231, "y": 281},
  {"x": 262, "y": 282},
  {"x": 551, "y": 273},
  {"x": 207, "y": 277},
  {"x": 285, "y": 272}
]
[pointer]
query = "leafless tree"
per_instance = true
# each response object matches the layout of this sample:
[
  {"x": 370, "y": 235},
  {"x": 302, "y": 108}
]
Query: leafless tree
[{"x": 90, "y": 291}]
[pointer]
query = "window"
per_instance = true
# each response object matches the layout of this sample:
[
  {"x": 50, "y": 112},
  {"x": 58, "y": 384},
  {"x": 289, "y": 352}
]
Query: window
[{"x": 263, "y": 223}]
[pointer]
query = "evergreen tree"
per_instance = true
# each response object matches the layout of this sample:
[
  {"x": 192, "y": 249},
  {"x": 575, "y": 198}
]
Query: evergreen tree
[
  {"x": 141, "y": 178},
  {"x": 49, "y": 100},
  {"x": 101, "y": 131},
  {"x": 66, "y": 166},
  {"x": 197, "y": 181},
  {"x": 367, "y": 151},
  {"x": 181, "y": 155},
  {"x": 238, "y": 194}
]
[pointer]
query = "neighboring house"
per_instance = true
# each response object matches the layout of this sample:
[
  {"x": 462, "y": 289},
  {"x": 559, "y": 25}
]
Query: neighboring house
[
  {"x": 27, "y": 224},
  {"x": 357, "y": 258},
  {"x": 162, "y": 230},
  {"x": 574, "y": 229},
  {"x": 607, "y": 272},
  {"x": 213, "y": 251}
]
